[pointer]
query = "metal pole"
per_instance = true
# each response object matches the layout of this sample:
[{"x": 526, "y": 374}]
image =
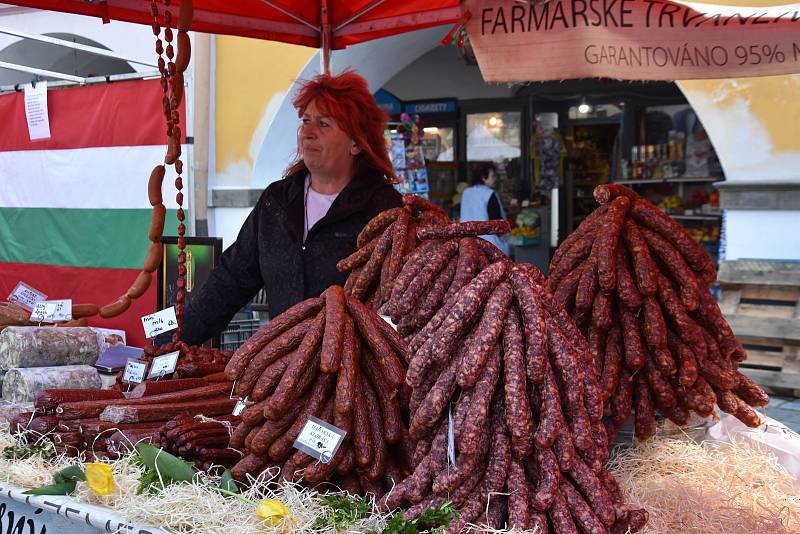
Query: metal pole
[
  {"x": 89, "y": 81},
  {"x": 76, "y": 46},
  {"x": 41, "y": 72},
  {"x": 325, "y": 38}
]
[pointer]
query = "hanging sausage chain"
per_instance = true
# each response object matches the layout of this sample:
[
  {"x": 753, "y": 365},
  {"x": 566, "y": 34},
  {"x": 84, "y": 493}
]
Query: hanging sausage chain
[{"x": 171, "y": 69}]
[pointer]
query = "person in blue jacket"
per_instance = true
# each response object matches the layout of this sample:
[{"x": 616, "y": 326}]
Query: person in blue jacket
[{"x": 480, "y": 202}]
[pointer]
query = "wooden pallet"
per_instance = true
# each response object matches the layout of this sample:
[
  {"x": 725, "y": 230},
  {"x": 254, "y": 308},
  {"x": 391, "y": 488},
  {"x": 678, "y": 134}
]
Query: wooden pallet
[{"x": 761, "y": 301}]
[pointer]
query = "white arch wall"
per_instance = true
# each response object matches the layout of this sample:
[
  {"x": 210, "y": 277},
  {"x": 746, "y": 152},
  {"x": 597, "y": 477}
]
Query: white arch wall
[{"x": 377, "y": 61}]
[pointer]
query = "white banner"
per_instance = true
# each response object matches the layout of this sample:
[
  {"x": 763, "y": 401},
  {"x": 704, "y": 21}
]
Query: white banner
[{"x": 631, "y": 40}]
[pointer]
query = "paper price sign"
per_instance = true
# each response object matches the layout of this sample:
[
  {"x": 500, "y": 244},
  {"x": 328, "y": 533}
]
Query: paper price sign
[
  {"x": 26, "y": 296},
  {"x": 159, "y": 322},
  {"x": 319, "y": 439},
  {"x": 52, "y": 311},
  {"x": 164, "y": 365},
  {"x": 134, "y": 372}
]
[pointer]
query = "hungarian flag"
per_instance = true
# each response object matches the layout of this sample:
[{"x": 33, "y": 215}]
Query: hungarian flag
[{"x": 74, "y": 211}]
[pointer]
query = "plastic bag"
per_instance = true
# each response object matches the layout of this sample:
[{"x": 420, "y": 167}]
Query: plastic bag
[
  {"x": 24, "y": 385},
  {"x": 40, "y": 346}
]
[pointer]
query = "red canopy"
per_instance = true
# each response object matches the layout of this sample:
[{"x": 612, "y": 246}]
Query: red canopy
[{"x": 289, "y": 21}]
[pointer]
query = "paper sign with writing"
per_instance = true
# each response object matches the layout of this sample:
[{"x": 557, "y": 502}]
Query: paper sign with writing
[
  {"x": 26, "y": 296},
  {"x": 159, "y": 322},
  {"x": 36, "y": 111},
  {"x": 631, "y": 39},
  {"x": 52, "y": 311},
  {"x": 241, "y": 404},
  {"x": 134, "y": 372},
  {"x": 164, "y": 365},
  {"x": 319, "y": 439}
]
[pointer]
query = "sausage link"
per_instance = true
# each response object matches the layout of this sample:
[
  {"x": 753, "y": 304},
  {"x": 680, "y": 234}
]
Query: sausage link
[
  {"x": 430, "y": 303},
  {"x": 587, "y": 286},
  {"x": 367, "y": 323},
  {"x": 487, "y": 333},
  {"x": 432, "y": 407},
  {"x": 518, "y": 513},
  {"x": 370, "y": 273},
  {"x": 362, "y": 436},
  {"x": 479, "y": 406},
  {"x": 533, "y": 322},
  {"x": 570, "y": 261},
  {"x": 398, "y": 252},
  {"x": 612, "y": 363},
  {"x": 414, "y": 263},
  {"x": 626, "y": 287},
  {"x": 632, "y": 339},
  {"x": 605, "y": 246},
  {"x": 463, "y": 229},
  {"x": 548, "y": 477},
  {"x": 581, "y": 512},
  {"x": 644, "y": 267},
  {"x": 560, "y": 516},
  {"x": 594, "y": 492},
  {"x": 605, "y": 193},
  {"x": 650, "y": 216},
  {"x": 644, "y": 424},
  {"x": 272, "y": 430},
  {"x": 587, "y": 226},
  {"x": 662, "y": 391},
  {"x": 298, "y": 335},
  {"x": 358, "y": 258},
  {"x": 749, "y": 391},
  {"x": 294, "y": 315},
  {"x": 348, "y": 373},
  {"x": 379, "y": 452},
  {"x": 333, "y": 336},
  {"x": 622, "y": 399},
  {"x": 568, "y": 288},
  {"x": 314, "y": 404},
  {"x": 519, "y": 418},
  {"x": 550, "y": 415},
  {"x": 435, "y": 263},
  {"x": 676, "y": 267},
  {"x": 377, "y": 225},
  {"x": 465, "y": 305},
  {"x": 389, "y": 405}
]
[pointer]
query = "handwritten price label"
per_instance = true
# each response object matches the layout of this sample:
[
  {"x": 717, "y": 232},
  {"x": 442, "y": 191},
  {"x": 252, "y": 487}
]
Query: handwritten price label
[
  {"x": 26, "y": 296},
  {"x": 134, "y": 372},
  {"x": 52, "y": 311},
  {"x": 164, "y": 365},
  {"x": 159, "y": 322}
]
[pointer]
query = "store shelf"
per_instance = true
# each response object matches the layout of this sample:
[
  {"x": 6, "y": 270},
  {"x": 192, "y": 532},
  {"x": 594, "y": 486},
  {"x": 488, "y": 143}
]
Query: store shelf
[
  {"x": 696, "y": 217},
  {"x": 671, "y": 180}
]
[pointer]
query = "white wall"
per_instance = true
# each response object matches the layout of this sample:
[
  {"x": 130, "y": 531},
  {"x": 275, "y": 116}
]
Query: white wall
[
  {"x": 377, "y": 61},
  {"x": 752, "y": 234},
  {"x": 226, "y": 223}
]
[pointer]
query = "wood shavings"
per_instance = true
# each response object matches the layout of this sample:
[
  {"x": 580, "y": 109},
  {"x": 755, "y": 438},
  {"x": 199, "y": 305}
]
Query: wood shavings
[{"x": 707, "y": 487}]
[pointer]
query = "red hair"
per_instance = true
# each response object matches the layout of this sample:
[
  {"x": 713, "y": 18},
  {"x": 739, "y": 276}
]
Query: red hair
[{"x": 346, "y": 99}]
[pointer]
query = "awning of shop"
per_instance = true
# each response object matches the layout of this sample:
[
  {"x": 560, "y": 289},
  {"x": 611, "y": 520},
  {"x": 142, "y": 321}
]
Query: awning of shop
[{"x": 301, "y": 22}]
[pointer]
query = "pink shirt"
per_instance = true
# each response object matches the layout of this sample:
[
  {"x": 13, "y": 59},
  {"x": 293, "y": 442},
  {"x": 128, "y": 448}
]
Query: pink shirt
[{"x": 317, "y": 205}]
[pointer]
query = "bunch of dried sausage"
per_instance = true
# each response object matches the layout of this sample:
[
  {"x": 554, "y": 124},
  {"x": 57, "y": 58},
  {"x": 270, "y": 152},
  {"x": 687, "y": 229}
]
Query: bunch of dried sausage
[
  {"x": 333, "y": 358},
  {"x": 637, "y": 284},
  {"x": 383, "y": 245},
  {"x": 505, "y": 411}
]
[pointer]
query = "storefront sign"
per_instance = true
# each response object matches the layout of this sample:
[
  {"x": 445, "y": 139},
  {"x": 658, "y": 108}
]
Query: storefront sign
[
  {"x": 388, "y": 102},
  {"x": 631, "y": 40},
  {"x": 436, "y": 106}
]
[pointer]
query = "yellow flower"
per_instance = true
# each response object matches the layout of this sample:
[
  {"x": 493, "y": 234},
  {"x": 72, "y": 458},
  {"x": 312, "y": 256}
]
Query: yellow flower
[
  {"x": 272, "y": 511},
  {"x": 99, "y": 478}
]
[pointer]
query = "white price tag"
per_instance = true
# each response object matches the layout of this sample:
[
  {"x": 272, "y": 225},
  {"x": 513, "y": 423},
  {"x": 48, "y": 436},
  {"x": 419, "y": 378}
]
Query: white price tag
[
  {"x": 388, "y": 320},
  {"x": 134, "y": 372},
  {"x": 164, "y": 365},
  {"x": 319, "y": 439},
  {"x": 159, "y": 322},
  {"x": 26, "y": 296},
  {"x": 52, "y": 311},
  {"x": 451, "y": 440},
  {"x": 239, "y": 407}
]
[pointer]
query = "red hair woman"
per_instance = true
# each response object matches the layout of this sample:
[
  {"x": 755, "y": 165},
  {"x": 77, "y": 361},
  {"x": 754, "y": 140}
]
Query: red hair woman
[{"x": 305, "y": 223}]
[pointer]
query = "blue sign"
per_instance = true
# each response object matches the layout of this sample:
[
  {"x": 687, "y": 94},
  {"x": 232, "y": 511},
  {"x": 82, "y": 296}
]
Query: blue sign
[
  {"x": 430, "y": 106},
  {"x": 388, "y": 102}
]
